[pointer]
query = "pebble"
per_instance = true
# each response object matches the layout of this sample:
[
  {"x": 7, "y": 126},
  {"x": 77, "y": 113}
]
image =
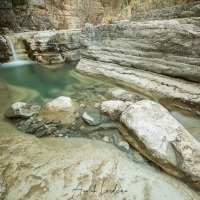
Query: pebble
[
  {"x": 27, "y": 121},
  {"x": 63, "y": 131},
  {"x": 82, "y": 105},
  {"x": 56, "y": 121},
  {"x": 138, "y": 156},
  {"x": 24, "y": 127},
  {"x": 92, "y": 116},
  {"x": 39, "y": 119},
  {"x": 32, "y": 118},
  {"x": 49, "y": 121},
  {"x": 124, "y": 144},
  {"x": 96, "y": 105},
  {"x": 46, "y": 126},
  {"x": 51, "y": 130},
  {"x": 32, "y": 128},
  {"x": 40, "y": 133},
  {"x": 101, "y": 89},
  {"x": 41, "y": 123},
  {"x": 106, "y": 139}
]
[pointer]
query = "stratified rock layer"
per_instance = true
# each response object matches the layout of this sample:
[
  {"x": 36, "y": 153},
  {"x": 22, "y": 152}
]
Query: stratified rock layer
[
  {"x": 55, "y": 46},
  {"x": 191, "y": 9},
  {"x": 40, "y": 15},
  {"x": 48, "y": 47},
  {"x": 156, "y": 57}
]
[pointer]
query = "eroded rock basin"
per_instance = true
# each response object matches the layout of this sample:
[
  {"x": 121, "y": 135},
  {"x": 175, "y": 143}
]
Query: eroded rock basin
[
  {"x": 72, "y": 168},
  {"x": 66, "y": 168}
]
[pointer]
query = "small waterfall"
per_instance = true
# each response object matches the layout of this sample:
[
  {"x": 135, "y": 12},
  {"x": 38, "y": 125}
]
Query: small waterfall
[{"x": 14, "y": 55}]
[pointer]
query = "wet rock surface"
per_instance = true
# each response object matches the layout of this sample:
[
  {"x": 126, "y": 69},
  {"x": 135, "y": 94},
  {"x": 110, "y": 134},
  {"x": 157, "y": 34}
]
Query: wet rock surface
[
  {"x": 92, "y": 116},
  {"x": 21, "y": 109}
]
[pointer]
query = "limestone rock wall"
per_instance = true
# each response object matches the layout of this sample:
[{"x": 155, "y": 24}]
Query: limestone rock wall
[
  {"x": 48, "y": 47},
  {"x": 40, "y": 15},
  {"x": 4, "y": 54},
  {"x": 53, "y": 47},
  {"x": 191, "y": 9},
  {"x": 159, "y": 57},
  {"x": 7, "y": 18},
  {"x": 49, "y": 14}
]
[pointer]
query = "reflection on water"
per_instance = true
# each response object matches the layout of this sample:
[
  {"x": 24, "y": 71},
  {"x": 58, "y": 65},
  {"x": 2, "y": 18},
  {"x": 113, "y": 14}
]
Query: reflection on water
[
  {"x": 188, "y": 121},
  {"x": 50, "y": 83}
]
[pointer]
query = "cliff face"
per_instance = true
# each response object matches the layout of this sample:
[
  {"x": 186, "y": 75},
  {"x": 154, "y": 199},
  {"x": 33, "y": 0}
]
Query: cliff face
[
  {"x": 51, "y": 14},
  {"x": 181, "y": 11},
  {"x": 53, "y": 47},
  {"x": 4, "y": 54},
  {"x": 46, "y": 14},
  {"x": 138, "y": 12},
  {"x": 158, "y": 57}
]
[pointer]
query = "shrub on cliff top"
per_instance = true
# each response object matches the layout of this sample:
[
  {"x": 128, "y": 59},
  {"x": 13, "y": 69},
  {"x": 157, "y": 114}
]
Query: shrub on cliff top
[{"x": 19, "y": 2}]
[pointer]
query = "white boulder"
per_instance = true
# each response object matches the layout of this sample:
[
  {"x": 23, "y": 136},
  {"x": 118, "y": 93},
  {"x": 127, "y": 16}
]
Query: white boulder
[
  {"x": 150, "y": 128},
  {"x": 114, "y": 108},
  {"x": 62, "y": 108}
]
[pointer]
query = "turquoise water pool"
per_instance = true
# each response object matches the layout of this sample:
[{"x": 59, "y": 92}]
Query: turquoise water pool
[{"x": 56, "y": 80}]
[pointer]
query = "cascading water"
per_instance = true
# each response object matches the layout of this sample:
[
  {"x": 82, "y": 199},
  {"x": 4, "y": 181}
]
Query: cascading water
[
  {"x": 14, "y": 55},
  {"x": 15, "y": 62}
]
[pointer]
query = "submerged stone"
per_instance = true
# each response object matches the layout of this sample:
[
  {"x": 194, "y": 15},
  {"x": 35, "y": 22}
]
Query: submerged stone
[
  {"x": 101, "y": 89},
  {"x": 92, "y": 116},
  {"x": 24, "y": 127},
  {"x": 40, "y": 133},
  {"x": 21, "y": 109}
]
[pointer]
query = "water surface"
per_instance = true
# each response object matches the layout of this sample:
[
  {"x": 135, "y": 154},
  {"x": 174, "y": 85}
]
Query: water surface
[{"x": 53, "y": 81}]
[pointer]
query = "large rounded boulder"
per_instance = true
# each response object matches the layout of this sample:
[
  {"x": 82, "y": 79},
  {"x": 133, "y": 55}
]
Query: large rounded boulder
[{"x": 62, "y": 108}]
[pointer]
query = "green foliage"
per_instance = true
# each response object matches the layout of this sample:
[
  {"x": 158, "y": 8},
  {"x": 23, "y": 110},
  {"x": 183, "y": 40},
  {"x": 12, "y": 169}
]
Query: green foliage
[
  {"x": 110, "y": 21},
  {"x": 19, "y": 2}
]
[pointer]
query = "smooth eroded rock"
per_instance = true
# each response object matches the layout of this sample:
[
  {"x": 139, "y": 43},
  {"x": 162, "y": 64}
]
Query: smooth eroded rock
[
  {"x": 150, "y": 128},
  {"x": 57, "y": 168},
  {"x": 124, "y": 95},
  {"x": 21, "y": 109},
  {"x": 62, "y": 108},
  {"x": 114, "y": 108}
]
